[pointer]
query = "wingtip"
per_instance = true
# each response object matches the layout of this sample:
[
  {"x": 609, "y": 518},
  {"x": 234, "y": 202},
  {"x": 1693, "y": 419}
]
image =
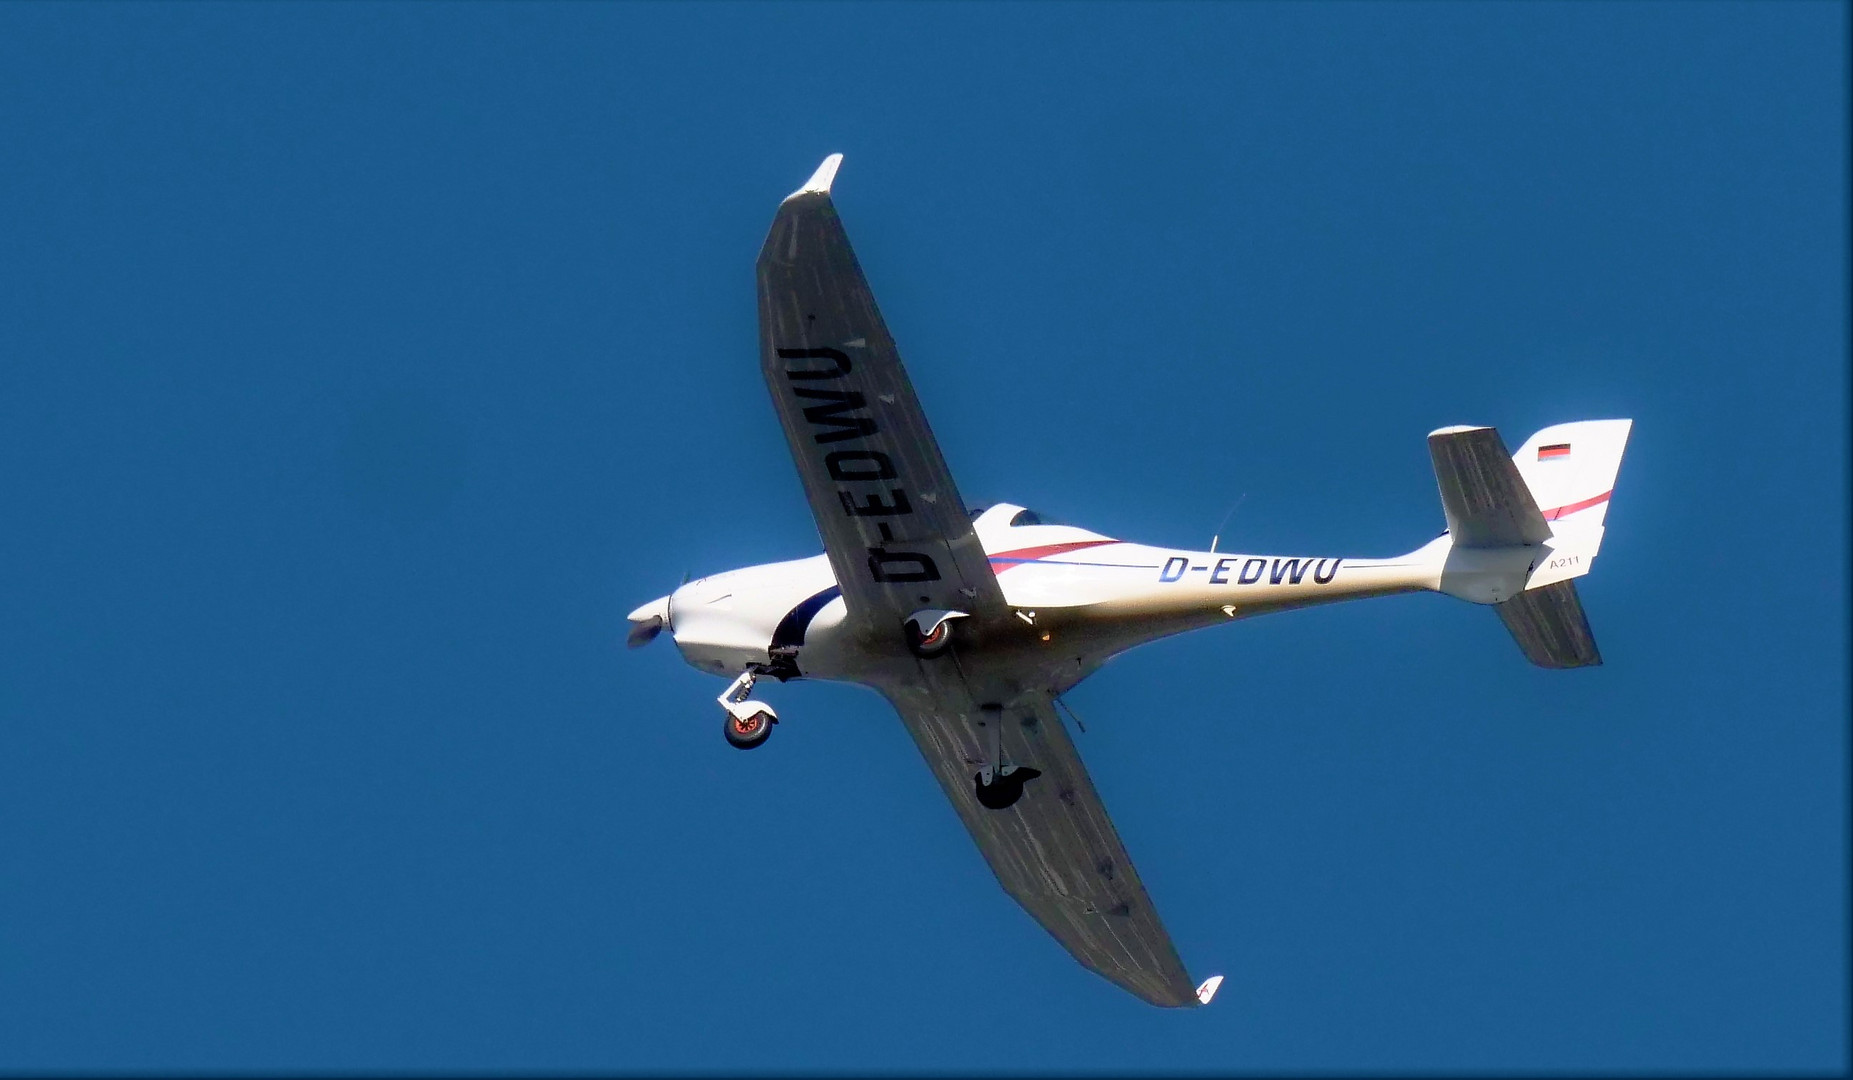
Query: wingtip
[
  {"x": 820, "y": 181},
  {"x": 1207, "y": 990}
]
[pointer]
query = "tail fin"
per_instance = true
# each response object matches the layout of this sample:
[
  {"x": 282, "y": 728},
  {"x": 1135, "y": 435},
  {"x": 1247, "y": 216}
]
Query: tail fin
[
  {"x": 1521, "y": 528},
  {"x": 1571, "y": 468}
]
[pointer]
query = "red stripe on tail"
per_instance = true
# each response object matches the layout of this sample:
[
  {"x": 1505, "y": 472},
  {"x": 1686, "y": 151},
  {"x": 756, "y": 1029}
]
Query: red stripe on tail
[{"x": 1563, "y": 511}]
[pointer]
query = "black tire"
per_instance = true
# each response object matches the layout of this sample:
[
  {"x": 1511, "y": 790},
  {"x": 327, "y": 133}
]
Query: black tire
[
  {"x": 749, "y": 733},
  {"x": 929, "y": 645}
]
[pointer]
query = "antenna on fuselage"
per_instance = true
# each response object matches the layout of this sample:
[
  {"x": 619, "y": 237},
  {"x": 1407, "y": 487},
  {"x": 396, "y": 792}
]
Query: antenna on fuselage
[{"x": 1225, "y": 521}]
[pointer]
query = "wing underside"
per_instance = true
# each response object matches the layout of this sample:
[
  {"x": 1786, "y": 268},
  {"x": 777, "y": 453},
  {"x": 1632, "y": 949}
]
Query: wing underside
[
  {"x": 890, "y": 516},
  {"x": 1055, "y": 851},
  {"x": 899, "y": 541}
]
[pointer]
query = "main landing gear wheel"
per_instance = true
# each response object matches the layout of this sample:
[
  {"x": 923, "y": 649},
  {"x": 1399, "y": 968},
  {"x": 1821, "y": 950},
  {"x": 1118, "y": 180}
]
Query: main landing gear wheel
[
  {"x": 929, "y": 630},
  {"x": 1001, "y": 789},
  {"x": 925, "y": 645},
  {"x": 747, "y": 732}
]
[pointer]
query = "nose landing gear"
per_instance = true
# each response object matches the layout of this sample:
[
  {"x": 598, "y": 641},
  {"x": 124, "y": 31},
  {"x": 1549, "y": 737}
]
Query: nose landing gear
[
  {"x": 749, "y": 723},
  {"x": 745, "y": 733}
]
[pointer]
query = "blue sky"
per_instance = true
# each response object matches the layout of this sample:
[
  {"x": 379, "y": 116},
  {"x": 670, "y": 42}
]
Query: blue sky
[{"x": 360, "y": 367}]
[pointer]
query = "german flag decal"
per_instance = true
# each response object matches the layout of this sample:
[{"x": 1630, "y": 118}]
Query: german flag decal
[{"x": 1555, "y": 450}]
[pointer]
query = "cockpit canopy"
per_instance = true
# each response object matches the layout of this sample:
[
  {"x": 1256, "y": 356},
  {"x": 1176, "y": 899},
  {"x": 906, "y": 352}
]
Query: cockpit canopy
[
  {"x": 1019, "y": 519},
  {"x": 1031, "y": 517},
  {"x": 998, "y": 526}
]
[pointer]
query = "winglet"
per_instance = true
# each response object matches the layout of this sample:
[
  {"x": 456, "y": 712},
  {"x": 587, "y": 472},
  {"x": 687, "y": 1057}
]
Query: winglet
[
  {"x": 1208, "y": 989},
  {"x": 820, "y": 181}
]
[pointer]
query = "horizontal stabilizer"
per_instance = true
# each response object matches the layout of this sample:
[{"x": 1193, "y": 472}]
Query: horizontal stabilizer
[
  {"x": 1485, "y": 499},
  {"x": 1549, "y": 625}
]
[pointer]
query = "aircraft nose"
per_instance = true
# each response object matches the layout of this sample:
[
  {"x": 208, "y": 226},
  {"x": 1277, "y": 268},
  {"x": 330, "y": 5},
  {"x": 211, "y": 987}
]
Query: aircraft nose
[{"x": 647, "y": 622}]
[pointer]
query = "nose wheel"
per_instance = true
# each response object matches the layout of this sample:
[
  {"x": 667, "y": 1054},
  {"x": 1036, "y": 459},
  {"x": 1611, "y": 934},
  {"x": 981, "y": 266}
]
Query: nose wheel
[
  {"x": 749, "y": 722},
  {"x": 747, "y": 732}
]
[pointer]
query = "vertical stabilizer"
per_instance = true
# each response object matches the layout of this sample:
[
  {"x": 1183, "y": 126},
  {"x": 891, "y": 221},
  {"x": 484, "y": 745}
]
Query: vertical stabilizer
[{"x": 1571, "y": 469}]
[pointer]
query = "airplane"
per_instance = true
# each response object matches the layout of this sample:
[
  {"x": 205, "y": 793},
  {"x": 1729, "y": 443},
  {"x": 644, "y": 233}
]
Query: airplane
[{"x": 973, "y": 624}]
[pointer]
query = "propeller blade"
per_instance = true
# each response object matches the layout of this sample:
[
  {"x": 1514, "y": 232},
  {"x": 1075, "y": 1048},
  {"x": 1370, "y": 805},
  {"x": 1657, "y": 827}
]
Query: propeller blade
[{"x": 644, "y": 631}]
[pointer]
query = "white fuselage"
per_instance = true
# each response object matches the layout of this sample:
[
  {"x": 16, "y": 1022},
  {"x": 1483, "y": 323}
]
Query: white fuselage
[{"x": 1083, "y": 597}]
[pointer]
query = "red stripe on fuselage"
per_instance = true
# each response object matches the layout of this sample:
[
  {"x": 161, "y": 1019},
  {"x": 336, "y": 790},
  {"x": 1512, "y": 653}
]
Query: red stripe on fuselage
[
  {"x": 1009, "y": 559},
  {"x": 1553, "y": 515}
]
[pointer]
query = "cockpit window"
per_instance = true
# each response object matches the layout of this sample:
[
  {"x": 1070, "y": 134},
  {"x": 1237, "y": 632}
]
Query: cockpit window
[{"x": 1030, "y": 517}]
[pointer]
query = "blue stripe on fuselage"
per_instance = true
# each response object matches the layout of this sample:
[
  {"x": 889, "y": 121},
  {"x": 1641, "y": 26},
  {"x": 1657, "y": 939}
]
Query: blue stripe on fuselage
[{"x": 791, "y": 628}]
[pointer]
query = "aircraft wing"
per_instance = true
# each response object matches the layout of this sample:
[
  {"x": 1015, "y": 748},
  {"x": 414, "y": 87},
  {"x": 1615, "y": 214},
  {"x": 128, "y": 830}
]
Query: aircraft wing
[
  {"x": 897, "y": 533},
  {"x": 1055, "y": 850}
]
